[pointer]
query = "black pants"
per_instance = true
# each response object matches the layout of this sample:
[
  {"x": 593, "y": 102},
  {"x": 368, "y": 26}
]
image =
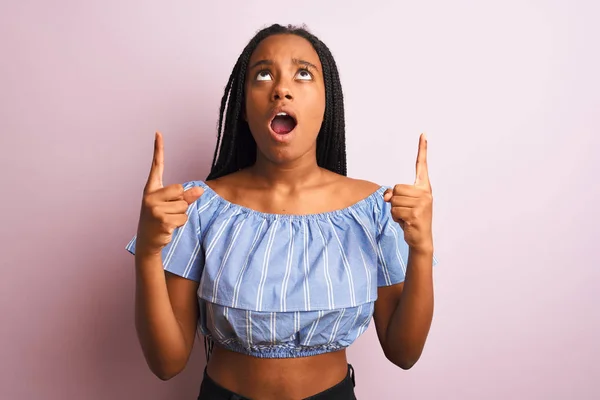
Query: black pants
[{"x": 210, "y": 390}]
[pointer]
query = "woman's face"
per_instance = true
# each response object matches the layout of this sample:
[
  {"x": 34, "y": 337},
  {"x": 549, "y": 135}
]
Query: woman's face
[{"x": 285, "y": 98}]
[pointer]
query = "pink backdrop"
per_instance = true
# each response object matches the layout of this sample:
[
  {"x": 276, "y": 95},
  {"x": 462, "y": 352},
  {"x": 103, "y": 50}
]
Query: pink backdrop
[{"x": 508, "y": 94}]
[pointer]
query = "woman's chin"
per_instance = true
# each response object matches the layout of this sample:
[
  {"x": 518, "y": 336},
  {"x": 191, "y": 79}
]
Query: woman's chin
[{"x": 285, "y": 150}]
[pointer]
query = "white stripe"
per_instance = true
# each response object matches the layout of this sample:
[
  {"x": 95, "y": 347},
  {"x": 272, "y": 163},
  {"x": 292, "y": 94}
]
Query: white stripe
[
  {"x": 206, "y": 203},
  {"x": 305, "y": 259},
  {"x": 265, "y": 268},
  {"x": 288, "y": 271},
  {"x": 225, "y": 258},
  {"x": 346, "y": 265},
  {"x": 356, "y": 317},
  {"x": 212, "y": 244},
  {"x": 273, "y": 328},
  {"x": 368, "y": 275},
  {"x": 296, "y": 322},
  {"x": 214, "y": 322},
  {"x": 376, "y": 246},
  {"x": 327, "y": 276},
  {"x": 249, "y": 327},
  {"x": 313, "y": 328},
  {"x": 238, "y": 283},
  {"x": 365, "y": 323},
  {"x": 336, "y": 325},
  {"x": 360, "y": 222},
  {"x": 384, "y": 267},
  {"x": 192, "y": 260}
]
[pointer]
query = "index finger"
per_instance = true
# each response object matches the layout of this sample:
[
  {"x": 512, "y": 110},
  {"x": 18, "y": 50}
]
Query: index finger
[
  {"x": 422, "y": 176},
  {"x": 155, "y": 180}
]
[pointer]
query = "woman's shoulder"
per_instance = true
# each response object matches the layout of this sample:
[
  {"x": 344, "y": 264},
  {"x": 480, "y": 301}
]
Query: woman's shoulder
[
  {"x": 224, "y": 181},
  {"x": 227, "y": 185},
  {"x": 356, "y": 188}
]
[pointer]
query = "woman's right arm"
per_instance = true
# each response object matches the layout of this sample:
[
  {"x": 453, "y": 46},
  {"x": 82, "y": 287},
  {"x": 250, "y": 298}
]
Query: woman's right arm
[
  {"x": 166, "y": 314},
  {"x": 166, "y": 307}
]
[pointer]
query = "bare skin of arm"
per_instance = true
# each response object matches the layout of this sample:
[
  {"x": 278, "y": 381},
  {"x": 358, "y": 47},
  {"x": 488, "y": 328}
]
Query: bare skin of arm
[
  {"x": 403, "y": 312},
  {"x": 166, "y": 313}
]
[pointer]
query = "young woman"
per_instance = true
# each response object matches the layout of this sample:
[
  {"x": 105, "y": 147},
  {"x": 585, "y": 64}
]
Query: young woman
[{"x": 278, "y": 258}]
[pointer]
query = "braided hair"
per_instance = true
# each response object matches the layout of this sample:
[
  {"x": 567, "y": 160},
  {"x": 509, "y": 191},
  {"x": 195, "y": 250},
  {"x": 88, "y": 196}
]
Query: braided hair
[{"x": 236, "y": 148}]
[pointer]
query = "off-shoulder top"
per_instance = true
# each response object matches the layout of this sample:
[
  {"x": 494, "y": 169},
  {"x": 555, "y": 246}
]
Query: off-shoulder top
[{"x": 277, "y": 285}]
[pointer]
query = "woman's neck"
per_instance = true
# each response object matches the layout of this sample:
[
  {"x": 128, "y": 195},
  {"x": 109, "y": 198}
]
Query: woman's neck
[{"x": 289, "y": 176}]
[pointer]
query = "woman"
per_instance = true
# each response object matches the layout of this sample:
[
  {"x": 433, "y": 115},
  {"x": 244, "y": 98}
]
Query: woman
[{"x": 279, "y": 259}]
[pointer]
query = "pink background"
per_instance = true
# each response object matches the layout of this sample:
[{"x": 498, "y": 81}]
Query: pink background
[{"x": 508, "y": 93}]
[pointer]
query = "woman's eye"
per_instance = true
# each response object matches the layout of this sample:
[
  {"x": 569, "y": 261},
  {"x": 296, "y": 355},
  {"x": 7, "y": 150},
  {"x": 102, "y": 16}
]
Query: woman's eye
[
  {"x": 304, "y": 75},
  {"x": 263, "y": 76}
]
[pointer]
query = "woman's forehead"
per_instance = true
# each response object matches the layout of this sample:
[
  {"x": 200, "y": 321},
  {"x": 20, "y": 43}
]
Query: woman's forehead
[{"x": 285, "y": 48}]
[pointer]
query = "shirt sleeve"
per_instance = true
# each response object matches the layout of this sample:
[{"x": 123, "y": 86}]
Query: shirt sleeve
[
  {"x": 392, "y": 250},
  {"x": 183, "y": 256}
]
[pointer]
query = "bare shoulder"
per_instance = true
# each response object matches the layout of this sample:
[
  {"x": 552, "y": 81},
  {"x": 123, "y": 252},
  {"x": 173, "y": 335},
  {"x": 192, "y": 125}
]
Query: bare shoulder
[
  {"x": 356, "y": 189},
  {"x": 227, "y": 184},
  {"x": 362, "y": 186}
]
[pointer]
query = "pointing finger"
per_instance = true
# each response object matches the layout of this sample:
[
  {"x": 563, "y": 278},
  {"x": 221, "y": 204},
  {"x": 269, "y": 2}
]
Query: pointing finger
[
  {"x": 155, "y": 178},
  {"x": 422, "y": 176}
]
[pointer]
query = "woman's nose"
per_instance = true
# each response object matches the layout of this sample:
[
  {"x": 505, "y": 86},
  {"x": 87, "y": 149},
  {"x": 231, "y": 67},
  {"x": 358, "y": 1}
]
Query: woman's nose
[{"x": 281, "y": 92}]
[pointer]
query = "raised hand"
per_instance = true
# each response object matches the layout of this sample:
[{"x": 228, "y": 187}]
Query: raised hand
[
  {"x": 163, "y": 208},
  {"x": 412, "y": 204}
]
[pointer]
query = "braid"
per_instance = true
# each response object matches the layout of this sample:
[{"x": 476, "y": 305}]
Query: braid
[
  {"x": 236, "y": 148},
  {"x": 223, "y": 105}
]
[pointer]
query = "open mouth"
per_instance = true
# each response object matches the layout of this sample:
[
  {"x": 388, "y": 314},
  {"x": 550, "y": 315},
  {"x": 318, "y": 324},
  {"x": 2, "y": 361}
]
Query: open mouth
[{"x": 283, "y": 123}]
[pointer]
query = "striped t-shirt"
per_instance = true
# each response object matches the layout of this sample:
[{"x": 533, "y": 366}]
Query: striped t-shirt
[{"x": 277, "y": 285}]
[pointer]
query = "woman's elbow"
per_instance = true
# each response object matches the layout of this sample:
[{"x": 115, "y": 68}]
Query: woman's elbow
[
  {"x": 164, "y": 376},
  {"x": 403, "y": 360},
  {"x": 406, "y": 364},
  {"x": 165, "y": 370},
  {"x": 165, "y": 373}
]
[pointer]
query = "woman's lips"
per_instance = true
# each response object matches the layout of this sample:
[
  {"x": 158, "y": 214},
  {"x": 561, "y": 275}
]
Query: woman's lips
[
  {"x": 282, "y": 130},
  {"x": 283, "y": 137},
  {"x": 283, "y": 123}
]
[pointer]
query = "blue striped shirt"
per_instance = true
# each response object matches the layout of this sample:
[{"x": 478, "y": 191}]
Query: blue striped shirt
[{"x": 278, "y": 285}]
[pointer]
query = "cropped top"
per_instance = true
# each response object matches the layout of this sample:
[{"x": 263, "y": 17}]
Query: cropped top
[{"x": 278, "y": 285}]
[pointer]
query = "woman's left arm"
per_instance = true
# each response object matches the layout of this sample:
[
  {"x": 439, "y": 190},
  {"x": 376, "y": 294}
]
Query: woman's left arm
[{"x": 403, "y": 312}]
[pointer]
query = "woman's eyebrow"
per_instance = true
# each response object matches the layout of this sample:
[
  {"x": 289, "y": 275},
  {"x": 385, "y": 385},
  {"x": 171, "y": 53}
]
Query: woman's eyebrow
[
  {"x": 305, "y": 63},
  {"x": 294, "y": 60},
  {"x": 261, "y": 62}
]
